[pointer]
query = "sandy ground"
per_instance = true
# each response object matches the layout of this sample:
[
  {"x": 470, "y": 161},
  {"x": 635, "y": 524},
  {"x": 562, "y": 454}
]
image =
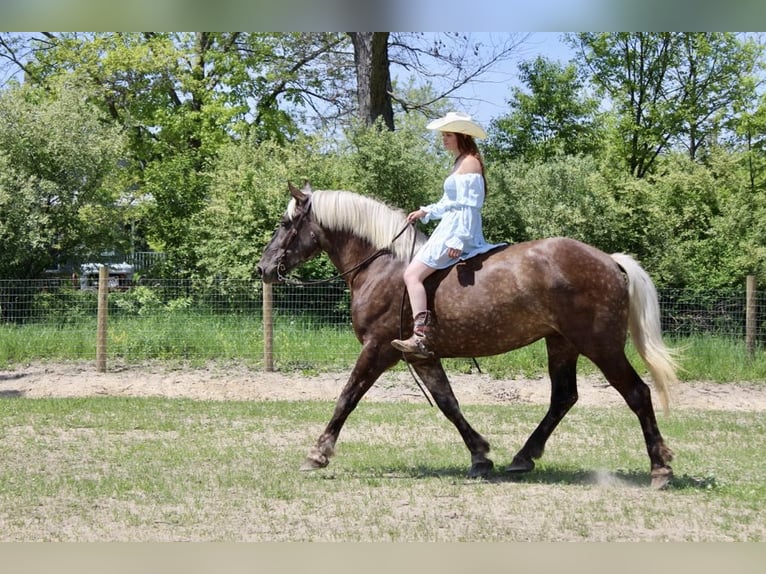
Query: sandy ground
[{"x": 237, "y": 382}]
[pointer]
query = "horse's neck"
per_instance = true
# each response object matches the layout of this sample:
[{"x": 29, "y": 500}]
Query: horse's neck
[{"x": 347, "y": 251}]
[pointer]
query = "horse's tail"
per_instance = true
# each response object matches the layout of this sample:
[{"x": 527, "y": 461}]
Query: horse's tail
[{"x": 644, "y": 326}]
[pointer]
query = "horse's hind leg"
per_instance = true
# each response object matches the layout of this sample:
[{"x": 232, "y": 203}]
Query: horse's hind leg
[
  {"x": 623, "y": 377},
  {"x": 436, "y": 382},
  {"x": 370, "y": 364},
  {"x": 562, "y": 368}
]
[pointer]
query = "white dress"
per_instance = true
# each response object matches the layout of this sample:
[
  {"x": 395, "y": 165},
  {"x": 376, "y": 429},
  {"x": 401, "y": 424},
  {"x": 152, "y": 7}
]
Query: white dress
[{"x": 460, "y": 227}]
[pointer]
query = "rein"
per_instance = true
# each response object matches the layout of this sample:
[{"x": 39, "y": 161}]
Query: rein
[
  {"x": 342, "y": 274},
  {"x": 356, "y": 267}
]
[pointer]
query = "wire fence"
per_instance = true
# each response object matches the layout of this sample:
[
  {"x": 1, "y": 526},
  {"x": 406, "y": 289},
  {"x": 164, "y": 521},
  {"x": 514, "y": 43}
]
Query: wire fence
[{"x": 181, "y": 319}]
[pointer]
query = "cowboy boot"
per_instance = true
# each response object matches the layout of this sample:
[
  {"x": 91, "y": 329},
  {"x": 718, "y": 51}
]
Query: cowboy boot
[{"x": 417, "y": 344}]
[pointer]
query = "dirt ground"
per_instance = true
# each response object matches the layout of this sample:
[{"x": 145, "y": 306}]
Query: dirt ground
[{"x": 218, "y": 381}]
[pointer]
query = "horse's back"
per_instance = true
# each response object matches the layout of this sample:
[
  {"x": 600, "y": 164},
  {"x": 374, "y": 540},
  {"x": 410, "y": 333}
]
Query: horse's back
[
  {"x": 544, "y": 264},
  {"x": 519, "y": 293}
]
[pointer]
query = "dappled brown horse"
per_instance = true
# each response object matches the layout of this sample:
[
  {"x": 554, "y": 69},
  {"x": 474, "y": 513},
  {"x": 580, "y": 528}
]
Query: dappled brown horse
[{"x": 579, "y": 299}]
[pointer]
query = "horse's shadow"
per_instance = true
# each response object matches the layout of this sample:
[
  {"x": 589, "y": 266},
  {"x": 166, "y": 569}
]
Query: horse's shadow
[
  {"x": 547, "y": 475},
  {"x": 11, "y": 393}
]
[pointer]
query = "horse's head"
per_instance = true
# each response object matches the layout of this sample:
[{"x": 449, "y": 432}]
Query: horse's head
[{"x": 295, "y": 241}]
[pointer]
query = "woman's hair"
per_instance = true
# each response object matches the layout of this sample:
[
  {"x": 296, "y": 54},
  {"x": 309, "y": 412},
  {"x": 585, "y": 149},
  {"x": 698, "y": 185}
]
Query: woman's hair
[{"x": 467, "y": 145}]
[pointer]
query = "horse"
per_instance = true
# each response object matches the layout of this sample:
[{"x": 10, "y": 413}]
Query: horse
[{"x": 576, "y": 297}]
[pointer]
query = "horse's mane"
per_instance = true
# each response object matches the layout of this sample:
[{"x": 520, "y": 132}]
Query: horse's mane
[{"x": 366, "y": 218}]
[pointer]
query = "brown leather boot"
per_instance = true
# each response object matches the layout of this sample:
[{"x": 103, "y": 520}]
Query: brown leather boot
[{"x": 417, "y": 344}]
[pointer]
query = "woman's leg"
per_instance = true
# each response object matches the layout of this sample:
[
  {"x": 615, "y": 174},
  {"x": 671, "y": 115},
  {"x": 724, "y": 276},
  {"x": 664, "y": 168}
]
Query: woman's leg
[
  {"x": 414, "y": 276},
  {"x": 417, "y": 344}
]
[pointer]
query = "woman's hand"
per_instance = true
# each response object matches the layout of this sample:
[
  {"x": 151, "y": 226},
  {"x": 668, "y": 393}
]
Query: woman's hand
[
  {"x": 415, "y": 215},
  {"x": 454, "y": 253}
]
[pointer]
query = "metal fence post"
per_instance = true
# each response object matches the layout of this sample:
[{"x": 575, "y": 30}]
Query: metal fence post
[
  {"x": 750, "y": 316},
  {"x": 103, "y": 292}
]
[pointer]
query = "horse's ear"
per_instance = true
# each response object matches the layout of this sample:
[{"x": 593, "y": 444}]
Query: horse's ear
[
  {"x": 297, "y": 193},
  {"x": 307, "y": 186}
]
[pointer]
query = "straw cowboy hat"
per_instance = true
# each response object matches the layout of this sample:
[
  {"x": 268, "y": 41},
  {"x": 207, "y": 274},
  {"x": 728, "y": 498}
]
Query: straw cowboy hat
[{"x": 459, "y": 123}]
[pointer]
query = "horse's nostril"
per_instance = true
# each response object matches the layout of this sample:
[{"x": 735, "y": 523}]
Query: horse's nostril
[{"x": 259, "y": 270}]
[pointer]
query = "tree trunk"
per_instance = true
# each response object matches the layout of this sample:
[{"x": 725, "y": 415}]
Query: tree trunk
[{"x": 373, "y": 77}]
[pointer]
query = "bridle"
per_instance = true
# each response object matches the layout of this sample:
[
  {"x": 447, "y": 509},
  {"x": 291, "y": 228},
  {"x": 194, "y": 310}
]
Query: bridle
[{"x": 292, "y": 234}]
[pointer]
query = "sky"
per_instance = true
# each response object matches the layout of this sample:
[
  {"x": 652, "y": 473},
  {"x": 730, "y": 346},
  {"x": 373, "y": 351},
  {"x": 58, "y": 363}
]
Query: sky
[
  {"x": 488, "y": 99},
  {"x": 546, "y": 20}
]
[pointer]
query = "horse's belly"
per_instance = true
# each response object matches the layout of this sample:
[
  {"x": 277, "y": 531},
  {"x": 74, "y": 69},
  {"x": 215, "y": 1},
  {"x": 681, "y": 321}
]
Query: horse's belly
[{"x": 476, "y": 339}]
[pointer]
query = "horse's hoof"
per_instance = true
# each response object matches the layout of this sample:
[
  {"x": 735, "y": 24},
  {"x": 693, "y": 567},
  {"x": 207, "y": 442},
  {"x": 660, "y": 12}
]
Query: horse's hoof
[
  {"x": 481, "y": 469},
  {"x": 519, "y": 465},
  {"x": 661, "y": 478},
  {"x": 311, "y": 463}
]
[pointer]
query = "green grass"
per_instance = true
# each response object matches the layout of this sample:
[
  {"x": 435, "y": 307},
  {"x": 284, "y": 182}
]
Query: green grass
[
  {"x": 158, "y": 469},
  {"x": 303, "y": 345}
]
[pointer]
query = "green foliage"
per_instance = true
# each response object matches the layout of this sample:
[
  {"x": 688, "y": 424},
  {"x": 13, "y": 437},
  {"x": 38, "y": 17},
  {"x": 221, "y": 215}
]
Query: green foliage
[
  {"x": 668, "y": 90},
  {"x": 396, "y": 167},
  {"x": 712, "y": 224},
  {"x": 691, "y": 225},
  {"x": 64, "y": 306},
  {"x": 25, "y": 233},
  {"x": 141, "y": 300},
  {"x": 554, "y": 118},
  {"x": 184, "y": 143},
  {"x": 248, "y": 196},
  {"x": 248, "y": 190},
  {"x": 565, "y": 197},
  {"x": 57, "y": 191},
  {"x": 180, "y": 97}
]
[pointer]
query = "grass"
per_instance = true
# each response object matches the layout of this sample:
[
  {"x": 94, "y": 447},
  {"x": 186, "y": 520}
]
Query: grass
[
  {"x": 303, "y": 345},
  {"x": 151, "y": 469}
]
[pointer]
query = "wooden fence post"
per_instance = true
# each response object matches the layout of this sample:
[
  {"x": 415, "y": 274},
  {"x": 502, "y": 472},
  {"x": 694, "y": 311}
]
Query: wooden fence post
[
  {"x": 750, "y": 316},
  {"x": 268, "y": 327},
  {"x": 103, "y": 292}
]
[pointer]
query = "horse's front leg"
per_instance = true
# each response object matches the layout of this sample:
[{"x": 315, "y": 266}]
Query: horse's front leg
[
  {"x": 438, "y": 384},
  {"x": 372, "y": 362}
]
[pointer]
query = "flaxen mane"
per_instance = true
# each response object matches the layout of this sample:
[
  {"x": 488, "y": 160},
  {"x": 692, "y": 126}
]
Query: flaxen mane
[{"x": 366, "y": 218}]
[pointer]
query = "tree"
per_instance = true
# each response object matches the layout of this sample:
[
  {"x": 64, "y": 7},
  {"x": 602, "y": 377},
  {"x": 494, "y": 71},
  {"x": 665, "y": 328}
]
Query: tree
[
  {"x": 554, "y": 117},
  {"x": 715, "y": 71},
  {"x": 666, "y": 88},
  {"x": 445, "y": 62},
  {"x": 631, "y": 70},
  {"x": 58, "y": 160},
  {"x": 373, "y": 77},
  {"x": 180, "y": 98}
]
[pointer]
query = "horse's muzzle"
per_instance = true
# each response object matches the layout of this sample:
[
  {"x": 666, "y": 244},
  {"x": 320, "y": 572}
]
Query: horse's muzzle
[{"x": 268, "y": 274}]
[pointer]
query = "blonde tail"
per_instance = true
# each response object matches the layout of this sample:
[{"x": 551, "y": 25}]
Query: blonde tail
[{"x": 644, "y": 326}]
